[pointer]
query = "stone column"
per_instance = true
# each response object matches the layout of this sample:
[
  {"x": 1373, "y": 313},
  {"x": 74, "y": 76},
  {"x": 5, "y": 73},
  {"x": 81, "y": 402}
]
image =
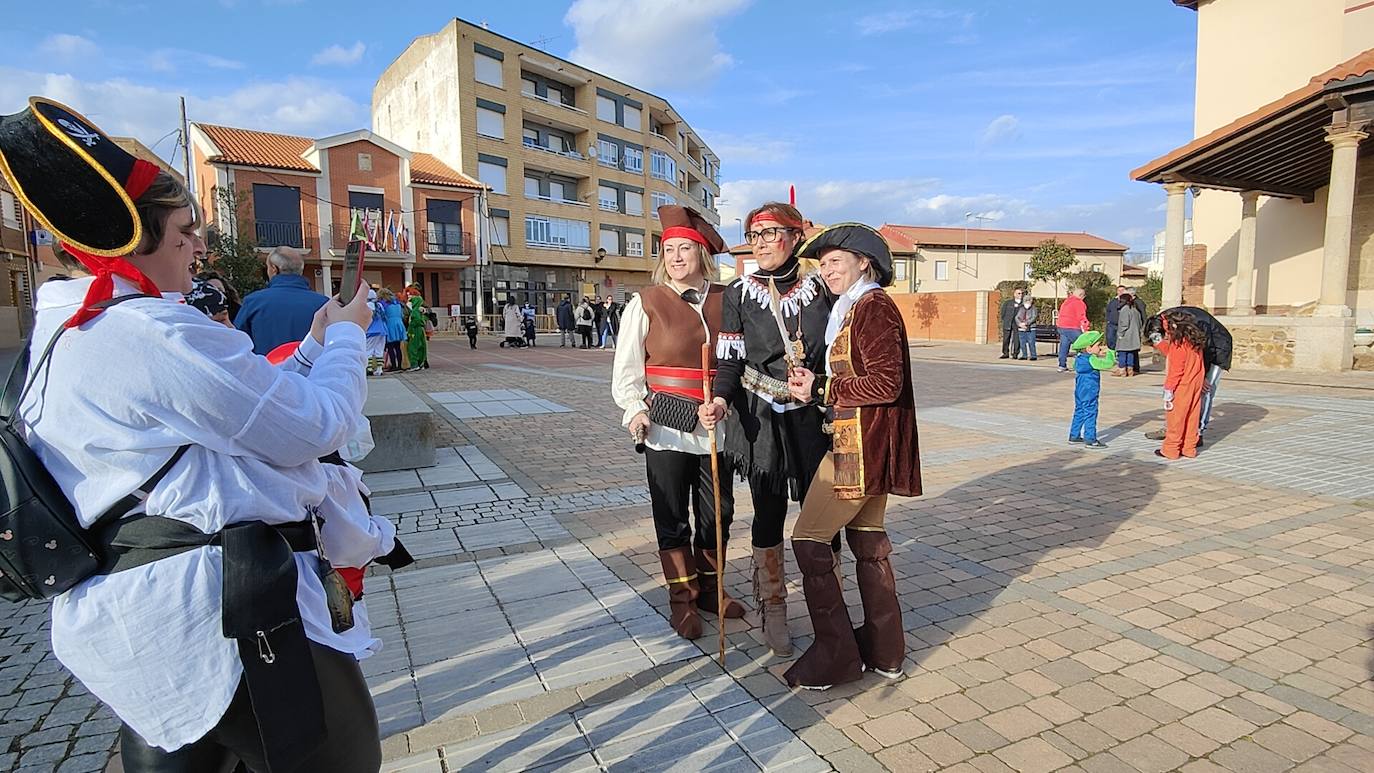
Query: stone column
[
  {"x": 408, "y": 268},
  {"x": 327, "y": 276},
  {"x": 1173, "y": 245},
  {"x": 1244, "y": 301},
  {"x": 1340, "y": 205}
]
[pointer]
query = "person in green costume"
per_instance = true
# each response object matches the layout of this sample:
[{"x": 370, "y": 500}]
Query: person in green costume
[
  {"x": 1092, "y": 357},
  {"x": 417, "y": 346}
]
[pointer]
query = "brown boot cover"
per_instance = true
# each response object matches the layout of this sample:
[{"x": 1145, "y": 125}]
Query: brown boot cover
[
  {"x": 882, "y": 640},
  {"x": 680, "y": 570},
  {"x": 834, "y": 657},
  {"x": 770, "y": 592},
  {"x": 709, "y": 571}
]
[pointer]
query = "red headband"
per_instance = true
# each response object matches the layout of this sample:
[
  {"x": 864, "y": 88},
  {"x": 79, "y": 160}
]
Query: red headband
[
  {"x": 768, "y": 216},
  {"x": 105, "y": 269},
  {"x": 685, "y": 232}
]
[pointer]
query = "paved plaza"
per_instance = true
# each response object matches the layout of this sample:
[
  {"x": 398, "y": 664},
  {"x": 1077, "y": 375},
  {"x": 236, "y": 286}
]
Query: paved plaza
[{"x": 1066, "y": 609}]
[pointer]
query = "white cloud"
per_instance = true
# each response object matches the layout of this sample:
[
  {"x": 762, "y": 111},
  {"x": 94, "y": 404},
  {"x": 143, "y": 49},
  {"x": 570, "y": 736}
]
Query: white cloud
[
  {"x": 338, "y": 55},
  {"x": 643, "y": 42},
  {"x": 828, "y": 201},
  {"x": 748, "y": 148},
  {"x": 69, "y": 47},
  {"x": 892, "y": 21},
  {"x": 177, "y": 60},
  {"x": 122, "y": 107},
  {"x": 1001, "y": 128}
]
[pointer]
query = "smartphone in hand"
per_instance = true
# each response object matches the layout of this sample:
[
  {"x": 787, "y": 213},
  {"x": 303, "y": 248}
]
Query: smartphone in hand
[{"x": 352, "y": 269}]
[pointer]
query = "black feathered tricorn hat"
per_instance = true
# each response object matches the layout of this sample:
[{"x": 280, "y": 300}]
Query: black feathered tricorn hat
[
  {"x": 73, "y": 178},
  {"x": 852, "y": 237}
]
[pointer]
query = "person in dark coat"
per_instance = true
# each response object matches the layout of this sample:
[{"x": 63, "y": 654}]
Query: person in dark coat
[
  {"x": 1216, "y": 358},
  {"x": 1011, "y": 342},
  {"x": 281, "y": 312},
  {"x": 1114, "y": 317},
  {"x": 567, "y": 326}
]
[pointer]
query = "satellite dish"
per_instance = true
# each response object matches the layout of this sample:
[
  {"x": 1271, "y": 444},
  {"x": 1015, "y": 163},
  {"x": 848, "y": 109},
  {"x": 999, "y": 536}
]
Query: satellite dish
[{"x": 591, "y": 151}]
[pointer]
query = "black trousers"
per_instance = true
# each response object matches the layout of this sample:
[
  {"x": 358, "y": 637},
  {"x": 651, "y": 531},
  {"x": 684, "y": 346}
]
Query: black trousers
[
  {"x": 393, "y": 354},
  {"x": 680, "y": 487},
  {"x": 586, "y": 334},
  {"x": 1011, "y": 343},
  {"x": 353, "y": 744}
]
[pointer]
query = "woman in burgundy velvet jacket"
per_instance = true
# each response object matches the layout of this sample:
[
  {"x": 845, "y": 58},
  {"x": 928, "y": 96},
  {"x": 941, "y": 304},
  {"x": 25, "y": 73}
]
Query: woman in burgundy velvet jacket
[{"x": 867, "y": 390}]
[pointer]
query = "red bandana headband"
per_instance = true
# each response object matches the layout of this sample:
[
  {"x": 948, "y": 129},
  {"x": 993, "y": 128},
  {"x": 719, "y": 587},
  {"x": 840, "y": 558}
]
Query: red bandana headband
[
  {"x": 768, "y": 217},
  {"x": 105, "y": 269},
  {"x": 685, "y": 232}
]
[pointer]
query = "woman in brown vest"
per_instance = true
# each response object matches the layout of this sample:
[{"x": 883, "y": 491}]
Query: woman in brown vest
[
  {"x": 867, "y": 394},
  {"x": 657, "y": 381}
]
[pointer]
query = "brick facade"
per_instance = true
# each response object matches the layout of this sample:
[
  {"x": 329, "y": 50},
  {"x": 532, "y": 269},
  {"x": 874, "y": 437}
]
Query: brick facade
[{"x": 1194, "y": 273}]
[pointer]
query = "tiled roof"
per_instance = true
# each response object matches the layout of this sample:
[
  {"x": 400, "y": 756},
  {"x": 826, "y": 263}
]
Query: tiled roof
[
  {"x": 1355, "y": 67},
  {"x": 139, "y": 150},
  {"x": 253, "y": 148},
  {"x": 428, "y": 170},
  {"x": 985, "y": 237}
]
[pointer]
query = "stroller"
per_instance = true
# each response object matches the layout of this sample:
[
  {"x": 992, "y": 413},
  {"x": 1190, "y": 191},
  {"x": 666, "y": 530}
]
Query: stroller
[{"x": 513, "y": 342}]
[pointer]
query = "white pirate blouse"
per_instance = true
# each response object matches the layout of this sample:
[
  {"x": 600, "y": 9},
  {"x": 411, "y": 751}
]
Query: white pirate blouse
[{"x": 120, "y": 395}]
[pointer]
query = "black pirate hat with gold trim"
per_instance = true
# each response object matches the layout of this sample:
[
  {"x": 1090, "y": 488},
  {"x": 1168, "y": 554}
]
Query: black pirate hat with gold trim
[
  {"x": 73, "y": 178},
  {"x": 852, "y": 237}
]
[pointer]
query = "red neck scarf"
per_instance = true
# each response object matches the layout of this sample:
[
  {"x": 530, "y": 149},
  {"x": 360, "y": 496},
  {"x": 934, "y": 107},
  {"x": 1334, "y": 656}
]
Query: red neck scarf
[{"x": 106, "y": 269}]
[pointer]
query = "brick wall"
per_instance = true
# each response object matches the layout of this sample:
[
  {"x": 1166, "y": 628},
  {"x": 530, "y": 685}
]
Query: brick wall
[
  {"x": 1194, "y": 273},
  {"x": 946, "y": 316}
]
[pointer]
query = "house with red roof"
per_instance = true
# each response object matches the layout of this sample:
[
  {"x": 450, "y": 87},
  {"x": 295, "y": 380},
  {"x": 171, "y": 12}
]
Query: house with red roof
[{"x": 417, "y": 215}]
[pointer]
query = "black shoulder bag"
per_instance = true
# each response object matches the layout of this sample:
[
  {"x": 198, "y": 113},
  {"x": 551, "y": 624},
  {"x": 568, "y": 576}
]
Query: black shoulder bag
[{"x": 44, "y": 549}]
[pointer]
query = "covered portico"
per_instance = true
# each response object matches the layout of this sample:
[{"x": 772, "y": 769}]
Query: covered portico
[{"x": 1299, "y": 147}]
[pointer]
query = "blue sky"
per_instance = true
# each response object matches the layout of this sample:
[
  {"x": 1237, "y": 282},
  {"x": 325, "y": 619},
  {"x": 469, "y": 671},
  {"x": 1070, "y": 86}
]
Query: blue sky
[{"x": 1029, "y": 112}]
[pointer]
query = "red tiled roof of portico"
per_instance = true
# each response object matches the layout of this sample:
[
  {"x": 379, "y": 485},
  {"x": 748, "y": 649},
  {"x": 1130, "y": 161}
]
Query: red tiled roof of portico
[
  {"x": 931, "y": 236},
  {"x": 1311, "y": 93},
  {"x": 246, "y": 147}
]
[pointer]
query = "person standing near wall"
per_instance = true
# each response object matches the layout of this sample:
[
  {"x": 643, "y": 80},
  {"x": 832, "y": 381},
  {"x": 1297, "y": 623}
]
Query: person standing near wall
[
  {"x": 1072, "y": 322},
  {"x": 1011, "y": 342}
]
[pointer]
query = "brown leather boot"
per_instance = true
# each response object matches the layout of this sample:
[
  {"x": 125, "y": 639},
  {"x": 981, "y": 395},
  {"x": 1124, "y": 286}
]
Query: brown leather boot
[
  {"x": 770, "y": 593},
  {"x": 882, "y": 640},
  {"x": 680, "y": 570},
  {"x": 709, "y": 569},
  {"x": 834, "y": 657}
]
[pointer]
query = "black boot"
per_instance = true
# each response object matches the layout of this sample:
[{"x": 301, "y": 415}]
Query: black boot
[{"x": 834, "y": 657}]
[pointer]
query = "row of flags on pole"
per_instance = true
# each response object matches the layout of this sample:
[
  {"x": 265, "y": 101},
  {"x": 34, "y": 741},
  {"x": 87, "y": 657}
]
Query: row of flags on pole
[{"x": 368, "y": 227}]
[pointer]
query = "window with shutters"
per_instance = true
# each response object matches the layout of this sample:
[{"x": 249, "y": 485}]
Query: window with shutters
[
  {"x": 493, "y": 175},
  {"x": 487, "y": 69},
  {"x": 491, "y": 124}
]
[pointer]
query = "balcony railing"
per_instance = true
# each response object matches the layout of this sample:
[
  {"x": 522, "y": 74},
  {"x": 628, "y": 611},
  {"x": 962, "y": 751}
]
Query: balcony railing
[
  {"x": 278, "y": 233},
  {"x": 608, "y": 206},
  {"x": 552, "y": 200},
  {"x": 548, "y": 101},
  {"x": 573, "y": 154},
  {"x": 342, "y": 233},
  {"x": 447, "y": 239}
]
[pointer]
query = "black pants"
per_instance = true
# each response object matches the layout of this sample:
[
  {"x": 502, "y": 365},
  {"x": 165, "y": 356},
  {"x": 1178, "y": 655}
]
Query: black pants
[
  {"x": 393, "y": 355},
  {"x": 770, "y": 514},
  {"x": 353, "y": 743},
  {"x": 1011, "y": 343},
  {"x": 679, "y": 486},
  {"x": 472, "y": 340},
  {"x": 586, "y": 334}
]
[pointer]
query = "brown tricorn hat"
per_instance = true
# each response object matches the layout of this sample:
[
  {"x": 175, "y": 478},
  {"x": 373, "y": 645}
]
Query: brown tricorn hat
[
  {"x": 73, "y": 178},
  {"x": 685, "y": 222}
]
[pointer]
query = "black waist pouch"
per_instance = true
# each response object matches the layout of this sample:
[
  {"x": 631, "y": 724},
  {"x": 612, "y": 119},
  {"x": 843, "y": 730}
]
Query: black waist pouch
[{"x": 673, "y": 411}]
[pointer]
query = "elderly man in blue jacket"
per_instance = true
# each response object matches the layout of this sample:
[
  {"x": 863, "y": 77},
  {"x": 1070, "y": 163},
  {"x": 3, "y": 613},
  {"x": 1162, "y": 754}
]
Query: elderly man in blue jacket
[{"x": 280, "y": 312}]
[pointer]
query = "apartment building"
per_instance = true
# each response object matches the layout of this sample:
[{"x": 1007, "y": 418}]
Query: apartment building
[
  {"x": 16, "y": 278},
  {"x": 577, "y": 163},
  {"x": 313, "y": 194}
]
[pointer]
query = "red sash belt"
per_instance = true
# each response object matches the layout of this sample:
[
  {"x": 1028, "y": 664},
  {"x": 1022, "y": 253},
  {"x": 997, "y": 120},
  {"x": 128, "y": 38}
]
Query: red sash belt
[{"x": 685, "y": 382}]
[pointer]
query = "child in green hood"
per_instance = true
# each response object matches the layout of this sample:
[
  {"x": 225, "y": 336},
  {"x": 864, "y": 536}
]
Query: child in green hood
[{"x": 1091, "y": 357}]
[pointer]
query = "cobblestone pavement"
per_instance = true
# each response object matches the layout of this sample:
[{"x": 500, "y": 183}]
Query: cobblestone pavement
[{"x": 1065, "y": 609}]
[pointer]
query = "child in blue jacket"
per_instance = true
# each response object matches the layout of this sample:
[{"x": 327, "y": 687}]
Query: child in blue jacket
[{"x": 1091, "y": 358}]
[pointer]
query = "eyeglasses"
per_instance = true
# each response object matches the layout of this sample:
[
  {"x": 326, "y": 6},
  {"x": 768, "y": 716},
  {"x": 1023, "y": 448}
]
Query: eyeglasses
[{"x": 768, "y": 235}]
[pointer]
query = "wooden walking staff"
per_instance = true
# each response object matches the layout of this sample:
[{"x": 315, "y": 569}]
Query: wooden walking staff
[{"x": 715, "y": 486}]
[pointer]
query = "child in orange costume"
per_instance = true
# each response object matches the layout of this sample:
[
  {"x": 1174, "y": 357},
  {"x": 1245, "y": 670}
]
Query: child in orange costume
[{"x": 1184, "y": 378}]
